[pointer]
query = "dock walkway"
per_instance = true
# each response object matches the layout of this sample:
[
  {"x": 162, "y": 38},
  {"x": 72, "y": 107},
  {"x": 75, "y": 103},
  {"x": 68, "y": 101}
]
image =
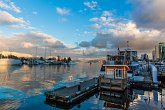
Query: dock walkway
[{"x": 69, "y": 95}]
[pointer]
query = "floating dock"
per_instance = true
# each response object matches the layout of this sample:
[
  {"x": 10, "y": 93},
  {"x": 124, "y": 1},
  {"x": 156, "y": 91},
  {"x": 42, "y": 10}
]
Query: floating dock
[{"x": 69, "y": 95}]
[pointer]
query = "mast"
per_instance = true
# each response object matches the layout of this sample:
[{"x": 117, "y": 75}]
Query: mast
[
  {"x": 36, "y": 51},
  {"x": 45, "y": 52}
]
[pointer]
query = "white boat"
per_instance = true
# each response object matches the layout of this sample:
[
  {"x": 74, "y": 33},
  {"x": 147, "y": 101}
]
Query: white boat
[
  {"x": 4, "y": 62},
  {"x": 72, "y": 63}
]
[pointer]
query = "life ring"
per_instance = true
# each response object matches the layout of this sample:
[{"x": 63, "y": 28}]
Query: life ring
[{"x": 126, "y": 62}]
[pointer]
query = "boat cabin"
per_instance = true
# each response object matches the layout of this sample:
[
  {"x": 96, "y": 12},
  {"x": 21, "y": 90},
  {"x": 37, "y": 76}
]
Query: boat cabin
[
  {"x": 115, "y": 77},
  {"x": 116, "y": 71}
]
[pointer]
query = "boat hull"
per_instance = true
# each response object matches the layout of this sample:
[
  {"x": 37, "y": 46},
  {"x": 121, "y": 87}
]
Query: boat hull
[{"x": 10, "y": 62}]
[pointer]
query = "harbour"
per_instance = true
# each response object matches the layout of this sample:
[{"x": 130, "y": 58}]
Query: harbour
[{"x": 32, "y": 85}]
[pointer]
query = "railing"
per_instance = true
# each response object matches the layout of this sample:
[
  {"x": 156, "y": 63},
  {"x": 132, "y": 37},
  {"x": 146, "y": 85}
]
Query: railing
[{"x": 110, "y": 82}]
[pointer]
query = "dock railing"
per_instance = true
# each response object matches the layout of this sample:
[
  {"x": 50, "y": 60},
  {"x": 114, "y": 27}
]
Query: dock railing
[{"x": 112, "y": 84}]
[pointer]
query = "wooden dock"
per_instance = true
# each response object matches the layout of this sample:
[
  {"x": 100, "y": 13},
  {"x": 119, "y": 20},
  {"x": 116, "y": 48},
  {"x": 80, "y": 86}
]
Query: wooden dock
[{"x": 69, "y": 95}]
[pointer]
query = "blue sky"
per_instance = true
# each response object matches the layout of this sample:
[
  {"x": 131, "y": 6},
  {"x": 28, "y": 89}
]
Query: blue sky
[{"x": 94, "y": 25}]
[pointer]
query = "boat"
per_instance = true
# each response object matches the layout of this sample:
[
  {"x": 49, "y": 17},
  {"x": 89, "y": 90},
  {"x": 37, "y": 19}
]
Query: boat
[
  {"x": 10, "y": 62},
  {"x": 72, "y": 63}
]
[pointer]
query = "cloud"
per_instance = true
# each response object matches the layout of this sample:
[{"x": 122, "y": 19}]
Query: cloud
[
  {"x": 26, "y": 42},
  {"x": 106, "y": 13},
  {"x": 8, "y": 5},
  {"x": 27, "y": 45},
  {"x": 95, "y": 19},
  {"x": 8, "y": 19},
  {"x": 123, "y": 32},
  {"x": 96, "y": 26},
  {"x": 149, "y": 13},
  {"x": 105, "y": 20},
  {"x": 93, "y": 5},
  {"x": 84, "y": 44},
  {"x": 116, "y": 31},
  {"x": 62, "y": 11}
]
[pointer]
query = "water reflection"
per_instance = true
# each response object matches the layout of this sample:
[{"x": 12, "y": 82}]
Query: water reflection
[
  {"x": 29, "y": 78},
  {"x": 129, "y": 99}
]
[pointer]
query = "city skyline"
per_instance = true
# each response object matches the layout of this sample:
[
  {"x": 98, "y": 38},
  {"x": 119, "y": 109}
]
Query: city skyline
[{"x": 68, "y": 28}]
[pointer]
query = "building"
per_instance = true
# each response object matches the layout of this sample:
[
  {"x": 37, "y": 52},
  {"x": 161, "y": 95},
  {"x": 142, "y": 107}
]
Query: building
[
  {"x": 162, "y": 51},
  {"x": 144, "y": 57},
  {"x": 154, "y": 58},
  {"x": 131, "y": 55}
]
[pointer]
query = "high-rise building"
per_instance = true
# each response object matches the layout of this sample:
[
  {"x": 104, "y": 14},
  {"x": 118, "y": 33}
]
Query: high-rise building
[
  {"x": 162, "y": 51},
  {"x": 154, "y": 55}
]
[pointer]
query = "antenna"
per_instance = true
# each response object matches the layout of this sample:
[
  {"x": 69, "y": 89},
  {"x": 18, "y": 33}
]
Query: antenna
[
  {"x": 83, "y": 52},
  {"x": 127, "y": 44},
  {"x": 36, "y": 51},
  {"x": 50, "y": 52},
  {"x": 45, "y": 52}
]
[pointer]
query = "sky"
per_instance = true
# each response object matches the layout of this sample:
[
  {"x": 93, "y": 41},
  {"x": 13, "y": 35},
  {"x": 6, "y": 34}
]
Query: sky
[{"x": 77, "y": 28}]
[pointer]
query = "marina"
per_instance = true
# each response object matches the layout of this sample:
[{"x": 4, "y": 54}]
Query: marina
[
  {"x": 118, "y": 75},
  {"x": 37, "y": 83}
]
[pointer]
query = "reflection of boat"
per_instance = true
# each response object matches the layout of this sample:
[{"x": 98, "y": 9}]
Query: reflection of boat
[
  {"x": 115, "y": 99},
  {"x": 10, "y": 62}
]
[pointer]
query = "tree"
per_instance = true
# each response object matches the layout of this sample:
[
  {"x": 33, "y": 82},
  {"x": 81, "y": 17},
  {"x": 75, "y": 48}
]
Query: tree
[
  {"x": 69, "y": 59},
  {"x": 58, "y": 58}
]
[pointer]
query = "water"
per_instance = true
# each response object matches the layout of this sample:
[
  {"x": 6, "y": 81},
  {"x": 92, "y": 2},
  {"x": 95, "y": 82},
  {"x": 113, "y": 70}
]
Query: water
[{"x": 23, "y": 87}]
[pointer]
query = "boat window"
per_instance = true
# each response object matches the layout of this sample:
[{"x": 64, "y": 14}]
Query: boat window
[
  {"x": 118, "y": 73},
  {"x": 110, "y": 73}
]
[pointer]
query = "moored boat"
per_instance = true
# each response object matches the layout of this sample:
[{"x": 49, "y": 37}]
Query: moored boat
[{"x": 10, "y": 62}]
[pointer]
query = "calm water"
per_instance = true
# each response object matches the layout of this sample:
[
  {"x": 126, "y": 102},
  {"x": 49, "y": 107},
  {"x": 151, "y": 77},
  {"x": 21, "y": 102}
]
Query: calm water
[{"x": 23, "y": 87}]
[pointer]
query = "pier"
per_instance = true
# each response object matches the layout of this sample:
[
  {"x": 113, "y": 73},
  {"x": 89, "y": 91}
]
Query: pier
[{"x": 70, "y": 95}]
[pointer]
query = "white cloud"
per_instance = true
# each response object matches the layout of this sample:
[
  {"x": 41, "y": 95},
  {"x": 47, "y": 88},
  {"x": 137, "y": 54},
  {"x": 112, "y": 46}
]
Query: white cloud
[
  {"x": 106, "y": 13},
  {"x": 62, "y": 11},
  {"x": 95, "y": 19},
  {"x": 27, "y": 45},
  {"x": 105, "y": 20},
  {"x": 96, "y": 26},
  {"x": 6, "y": 19},
  {"x": 8, "y": 5},
  {"x": 93, "y": 5}
]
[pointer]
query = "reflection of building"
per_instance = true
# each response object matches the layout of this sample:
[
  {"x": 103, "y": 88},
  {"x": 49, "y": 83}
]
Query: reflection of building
[{"x": 162, "y": 51}]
